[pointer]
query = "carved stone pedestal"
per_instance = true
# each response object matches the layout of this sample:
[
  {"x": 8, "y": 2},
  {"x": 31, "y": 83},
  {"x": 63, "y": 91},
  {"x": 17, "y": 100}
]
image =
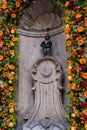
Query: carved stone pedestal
[{"x": 48, "y": 112}]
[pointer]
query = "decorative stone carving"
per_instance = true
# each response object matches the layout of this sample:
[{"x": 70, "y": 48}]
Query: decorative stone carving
[
  {"x": 40, "y": 16},
  {"x": 48, "y": 112}
]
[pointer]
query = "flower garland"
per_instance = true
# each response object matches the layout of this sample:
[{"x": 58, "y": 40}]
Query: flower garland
[
  {"x": 76, "y": 47},
  {"x": 76, "y": 34}
]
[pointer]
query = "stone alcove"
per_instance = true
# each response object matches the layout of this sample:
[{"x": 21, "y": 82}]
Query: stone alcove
[{"x": 33, "y": 26}]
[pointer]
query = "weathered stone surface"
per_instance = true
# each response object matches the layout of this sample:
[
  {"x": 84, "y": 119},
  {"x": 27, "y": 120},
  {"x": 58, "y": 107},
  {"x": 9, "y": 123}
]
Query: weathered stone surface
[
  {"x": 30, "y": 51},
  {"x": 48, "y": 107}
]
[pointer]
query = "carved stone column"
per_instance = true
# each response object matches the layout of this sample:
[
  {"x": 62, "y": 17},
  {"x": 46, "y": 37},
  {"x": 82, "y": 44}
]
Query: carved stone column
[{"x": 48, "y": 111}]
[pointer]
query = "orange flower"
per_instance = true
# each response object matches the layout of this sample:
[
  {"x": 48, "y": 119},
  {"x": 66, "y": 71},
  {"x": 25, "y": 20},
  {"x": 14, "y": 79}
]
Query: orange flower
[
  {"x": 11, "y": 104},
  {"x": 4, "y": 6},
  {"x": 24, "y": 0},
  {"x": 11, "y": 117},
  {"x": 11, "y": 124},
  {"x": 10, "y": 77},
  {"x": 86, "y": 125},
  {"x": 12, "y": 67},
  {"x": 1, "y": 32},
  {"x": 17, "y": 4},
  {"x": 12, "y": 44},
  {"x": 85, "y": 112},
  {"x": 82, "y": 61},
  {"x": 1, "y": 43},
  {"x": 69, "y": 70},
  {"x": 14, "y": 39},
  {"x": 67, "y": 4},
  {"x": 11, "y": 52},
  {"x": 69, "y": 62},
  {"x": 80, "y": 42},
  {"x": 13, "y": 29},
  {"x": 85, "y": 94},
  {"x": 78, "y": 15},
  {"x": 1, "y": 57},
  {"x": 13, "y": 15},
  {"x": 67, "y": 29},
  {"x": 70, "y": 86},
  {"x": 85, "y": 75},
  {"x": 11, "y": 88},
  {"x": 85, "y": 20},
  {"x": 80, "y": 29},
  {"x": 69, "y": 43},
  {"x": 85, "y": 8}
]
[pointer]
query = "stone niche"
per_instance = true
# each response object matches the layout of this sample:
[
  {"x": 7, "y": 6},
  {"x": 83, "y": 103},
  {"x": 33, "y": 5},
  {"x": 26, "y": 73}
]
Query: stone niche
[{"x": 33, "y": 26}]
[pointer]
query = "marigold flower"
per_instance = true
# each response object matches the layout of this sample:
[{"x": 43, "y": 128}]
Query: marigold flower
[
  {"x": 1, "y": 43},
  {"x": 11, "y": 88},
  {"x": 4, "y": 6},
  {"x": 13, "y": 29},
  {"x": 70, "y": 86},
  {"x": 85, "y": 8},
  {"x": 24, "y": 0},
  {"x": 67, "y": 29},
  {"x": 1, "y": 57},
  {"x": 70, "y": 78},
  {"x": 85, "y": 125},
  {"x": 85, "y": 93},
  {"x": 11, "y": 104},
  {"x": 10, "y": 77},
  {"x": 14, "y": 39},
  {"x": 85, "y": 112},
  {"x": 69, "y": 43},
  {"x": 12, "y": 67},
  {"x": 11, "y": 124},
  {"x": 80, "y": 42},
  {"x": 69, "y": 70},
  {"x": 11, "y": 117},
  {"x": 79, "y": 15},
  {"x": 1, "y": 32},
  {"x": 85, "y": 75},
  {"x": 80, "y": 29},
  {"x": 11, "y": 52},
  {"x": 69, "y": 62},
  {"x": 67, "y": 4},
  {"x": 17, "y": 4},
  {"x": 13, "y": 15},
  {"x": 82, "y": 61}
]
